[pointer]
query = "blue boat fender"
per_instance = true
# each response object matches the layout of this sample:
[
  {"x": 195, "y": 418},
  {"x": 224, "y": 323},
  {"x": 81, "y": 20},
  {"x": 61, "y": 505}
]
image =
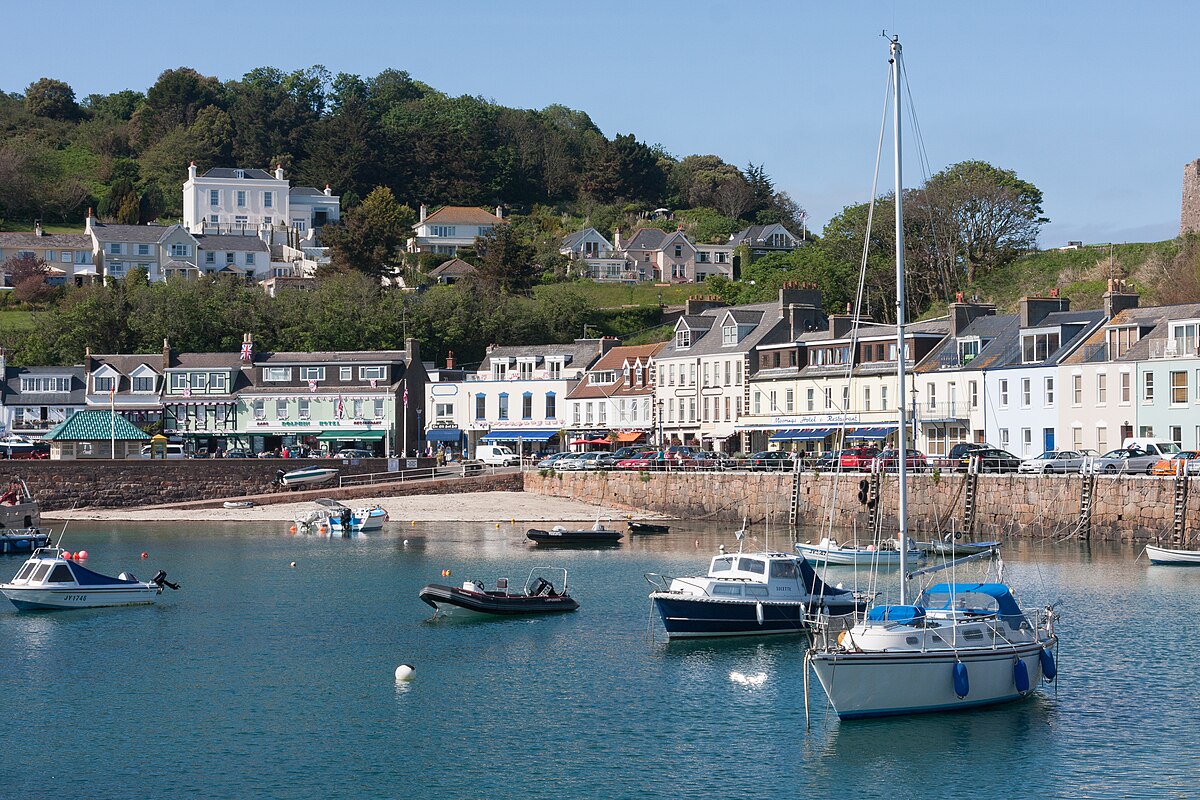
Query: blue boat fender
[
  {"x": 962, "y": 685},
  {"x": 1049, "y": 670},
  {"x": 1021, "y": 676}
]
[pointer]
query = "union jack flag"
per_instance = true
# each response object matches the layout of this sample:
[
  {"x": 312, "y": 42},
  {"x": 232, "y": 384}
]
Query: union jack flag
[
  {"x": 312, "y": 385},
  {"x": 406, "y": 395},
  {"x": 247, "y": 351},
  {"x": 340, "y": 407}
]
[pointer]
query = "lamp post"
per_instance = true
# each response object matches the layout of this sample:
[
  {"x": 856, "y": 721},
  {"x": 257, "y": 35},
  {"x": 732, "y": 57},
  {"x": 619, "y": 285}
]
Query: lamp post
[
  {"x": 914, "y": 416},
  {"x": 661, "y": 431}
]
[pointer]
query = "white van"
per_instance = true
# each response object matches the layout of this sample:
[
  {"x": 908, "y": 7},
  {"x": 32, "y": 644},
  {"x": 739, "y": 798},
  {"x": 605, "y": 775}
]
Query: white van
[
  {"x": 1152, "y": 447},
  {"x": 173, "y": 451},
  {"x": 496, "y": 455}
]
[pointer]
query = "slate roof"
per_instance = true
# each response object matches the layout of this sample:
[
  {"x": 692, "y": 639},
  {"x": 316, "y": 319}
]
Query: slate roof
[
  {"x": 14, "y": 396},
  {"x": 1004, "y": 349},
  {"x": 231, "y": 172},
  {"x": 995, "y": 329},
  {"x": 615, "y": 360},
  {"x": 348, "y": 357},
  {"x": 127, "y": 363},
  {"x": 581, "y": 353},
  {"x": 47, "y": 241},
  {"x": 92, "y": 426},
  {"x": 251, "y": 244},
  {"x": 297, "y": 191},
  {"x": 573, "y": 240},
  {"x": 454, "y": 268},
  {"x": 131, "y": 233},
  {"x": 645, "y": 239},
  {"x": 706, "y": 342},
  {"x": 755, "y": 235},
  {"x": 467, "y": 215}
]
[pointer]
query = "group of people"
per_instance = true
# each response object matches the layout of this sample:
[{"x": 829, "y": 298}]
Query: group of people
[{"x": 442, "y": 455}]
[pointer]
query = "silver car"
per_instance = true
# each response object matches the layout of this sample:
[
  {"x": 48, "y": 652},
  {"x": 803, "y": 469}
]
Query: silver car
[
  {"x": 570, "y": 462},
  {"x": 1128, "y": 460},
  {"x": 1053, "y": 461}
]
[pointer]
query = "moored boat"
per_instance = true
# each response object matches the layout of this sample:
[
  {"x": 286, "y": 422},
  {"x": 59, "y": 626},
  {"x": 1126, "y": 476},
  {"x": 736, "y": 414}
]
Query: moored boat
[
  {"x": 953, "y": 549},
  {"x": 750, "y": 594},
  {"x": 539, "y": 596},
  {"x": 558, "y": 536},
  {"x": 20, "y": 520},
  {"x": 49, "y": 580},
  {"x": 1172, "y": 557},
  {"x": 830, "y": 552},
  {"x": 304, "y": 476},
  {"x": 642, "y": 527}
]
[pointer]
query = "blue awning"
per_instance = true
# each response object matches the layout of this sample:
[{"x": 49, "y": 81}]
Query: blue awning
[
  {"x": 443, "y": 435},
  {"x": 802, "y": 435},
  {"x": 877, "y": 433},
  {"x": 519, "y": 436}
]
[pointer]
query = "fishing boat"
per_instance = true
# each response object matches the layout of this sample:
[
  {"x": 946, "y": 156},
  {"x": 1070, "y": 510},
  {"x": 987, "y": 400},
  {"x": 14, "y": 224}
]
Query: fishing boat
[
  {"x": 558, "y": 536},
  {"x": 50, "y": 580},
  {"x": 360, "y": 520},
  {"x": 1172, "y": 557},
  {"x": 539, "y": 596},
  {"x": 959, "y": 645},
  {"x": 830, "y": 552},
  {"x": 749, "y": 594},
  {"x": 304, "y": 476},
  {"x": 20, "y": 520},
  {"x": 643, "y": 528}
]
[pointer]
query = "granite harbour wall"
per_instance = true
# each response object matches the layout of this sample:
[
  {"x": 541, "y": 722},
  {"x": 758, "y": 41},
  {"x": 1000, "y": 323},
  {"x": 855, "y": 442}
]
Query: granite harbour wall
[{"x": 1133, "y": 507}]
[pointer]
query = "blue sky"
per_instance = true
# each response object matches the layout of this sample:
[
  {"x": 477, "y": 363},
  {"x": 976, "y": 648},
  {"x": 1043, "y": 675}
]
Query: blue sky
[{"x": 1092, "y": 102}]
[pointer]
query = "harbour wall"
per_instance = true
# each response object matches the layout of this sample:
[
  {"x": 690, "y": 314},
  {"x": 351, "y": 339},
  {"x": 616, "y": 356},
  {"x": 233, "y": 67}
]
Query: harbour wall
[
  {"x": 117, "y": 484},
  {"x": 1123, "y": 508}
]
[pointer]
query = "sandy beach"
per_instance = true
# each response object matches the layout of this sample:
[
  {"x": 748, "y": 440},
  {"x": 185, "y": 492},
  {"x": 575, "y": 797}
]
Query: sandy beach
[{"x": 477, "y": 507}]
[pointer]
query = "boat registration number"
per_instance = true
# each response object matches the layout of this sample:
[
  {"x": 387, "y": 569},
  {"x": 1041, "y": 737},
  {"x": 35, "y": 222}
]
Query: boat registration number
[{"x": 75, "y": 598}]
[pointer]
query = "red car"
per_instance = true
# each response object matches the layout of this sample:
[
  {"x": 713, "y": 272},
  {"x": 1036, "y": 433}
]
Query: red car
[
  {"x": 889, "y": 460},
  {"x": 859, "y": 458},
  {"x": 644, "y": 461}
]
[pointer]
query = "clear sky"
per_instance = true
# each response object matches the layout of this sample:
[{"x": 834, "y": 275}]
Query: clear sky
[{"x": 1093, "y": 102}]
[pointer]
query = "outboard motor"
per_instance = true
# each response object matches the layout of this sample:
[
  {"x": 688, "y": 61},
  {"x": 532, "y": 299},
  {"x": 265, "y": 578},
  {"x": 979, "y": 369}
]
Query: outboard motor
[
  {"x": 279, "y": 477},
  {"x": 347, "y": 518},
  {"x": 160, "y": 578}
]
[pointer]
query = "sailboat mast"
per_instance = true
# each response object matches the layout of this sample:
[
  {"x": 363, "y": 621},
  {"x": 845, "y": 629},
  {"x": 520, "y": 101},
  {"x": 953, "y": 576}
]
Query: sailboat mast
[{"x": 902, "y": 432}]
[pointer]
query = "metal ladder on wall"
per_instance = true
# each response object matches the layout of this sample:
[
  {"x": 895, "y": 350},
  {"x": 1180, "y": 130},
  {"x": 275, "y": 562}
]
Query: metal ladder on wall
[
  {"x": 1179, "y": 527},
  {"x": 874, "y": 507},
  {"x": 1086, "y": 494},
  {"x": 794, "y": 511},
  {"x": 970, "y": 499}
]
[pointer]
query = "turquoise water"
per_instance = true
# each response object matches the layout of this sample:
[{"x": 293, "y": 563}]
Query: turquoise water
[{"x": 258, "y": 679}]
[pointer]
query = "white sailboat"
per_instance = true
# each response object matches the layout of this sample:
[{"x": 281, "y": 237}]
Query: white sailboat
[{"x": 960, "y": 644}]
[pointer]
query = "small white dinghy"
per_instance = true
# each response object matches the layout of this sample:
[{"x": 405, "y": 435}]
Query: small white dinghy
[
  {"x": 49, "y": 580},
  {"x": 1176, "y": 558},
  {"x": 305, "y": 476},
  {"x": 830, "y": 552}
]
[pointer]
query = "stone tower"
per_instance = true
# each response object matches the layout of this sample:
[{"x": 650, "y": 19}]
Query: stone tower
[{"x": 1189, "y": 212}]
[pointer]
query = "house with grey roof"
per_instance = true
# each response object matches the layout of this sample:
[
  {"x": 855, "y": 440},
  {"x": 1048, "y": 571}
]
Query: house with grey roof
[
  {"x": 452, "y": 271},
  {"x": 592, "y": 256},
  {"x": 246, "y": 257},
  {"x": 36, "y": 399},
  {"x": 69, "y": 256},
  {"x": 254, "y": 202},
  {"x": 120, "y": 249},
  {"x": 652, "y": 254},
  {"x": 761, "y": 240}
]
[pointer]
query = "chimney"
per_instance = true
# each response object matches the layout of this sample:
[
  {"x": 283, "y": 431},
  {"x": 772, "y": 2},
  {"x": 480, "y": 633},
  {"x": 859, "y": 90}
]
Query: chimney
[
  {"x": 87, "y": 222},
  {"x": 698, "y": 305},
  {"x": 412, "y": 348},
  {"x": 500, "y": 212},
  {"x": 1035, "y": 309},
  {"x": 963, "y": 314},
  {"x": 279, "y": 172},
  {"x": 1119, "y": 297},
  {"x": 328, "y": 191},
  {"x": 617, "y": 239},
  {"x": 840, "y": 325},
  {"x": 191, "y": 170},
  {"x": 799, "y": 294},
  {"x": 166, "y": 354},
  {"x": 449, "y": 359},
  {"x": 424, "y": 212},
  {"x": 37, "y": 227}
]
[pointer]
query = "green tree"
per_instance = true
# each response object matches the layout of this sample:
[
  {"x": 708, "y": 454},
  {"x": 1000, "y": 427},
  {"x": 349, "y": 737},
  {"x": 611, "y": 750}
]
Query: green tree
[
  {"x": 506, "y": 263},
  {"x": 47, "y": 97},
  {"x": 370, "y": 235}
]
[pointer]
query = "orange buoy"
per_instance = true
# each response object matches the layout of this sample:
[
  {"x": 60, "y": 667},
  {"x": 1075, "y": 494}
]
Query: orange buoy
[
  {"x": 67, "y": 555},
  {"x": 445, "y": 573},
  {"x": 145, "y": 554},
  {"x": 81, "y": 554},
  {"x": 292, "y": 529}
]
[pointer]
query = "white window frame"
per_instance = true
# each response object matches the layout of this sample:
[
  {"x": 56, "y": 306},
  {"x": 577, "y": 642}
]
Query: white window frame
[{"x": 276, "y": 374}]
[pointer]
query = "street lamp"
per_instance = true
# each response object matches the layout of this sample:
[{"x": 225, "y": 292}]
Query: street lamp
[
  {"x": 913, "y": 391},
  {"x": 661, "y": 432}
]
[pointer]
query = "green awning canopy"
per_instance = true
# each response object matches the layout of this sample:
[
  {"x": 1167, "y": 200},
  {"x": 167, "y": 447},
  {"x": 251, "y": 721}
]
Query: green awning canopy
[{"x": 351, "y": 436}]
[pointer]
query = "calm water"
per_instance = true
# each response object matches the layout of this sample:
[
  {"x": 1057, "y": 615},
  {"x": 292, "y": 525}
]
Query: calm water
[{"x": 262, "y": 680}]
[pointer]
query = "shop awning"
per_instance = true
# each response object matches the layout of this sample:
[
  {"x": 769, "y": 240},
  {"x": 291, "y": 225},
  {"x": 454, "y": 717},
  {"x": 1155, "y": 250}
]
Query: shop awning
[
  {"x": 519, "y": 436},
  {"x": 630, "y": 436},
  {"x": 802, "y": 435},
  {"x": 874, "y": 434},
  {"x": 351, "y": 436},
  {"x": 443, "y": 435},
  {"x": 578, "y": 442}
]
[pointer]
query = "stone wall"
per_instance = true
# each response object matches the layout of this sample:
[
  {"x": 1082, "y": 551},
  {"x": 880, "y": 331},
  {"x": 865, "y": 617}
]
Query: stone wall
[
  {"x": 1135, "y": 507},
  {"x": 1189, "y": 208},
  {"x": 113, "y": 484}
]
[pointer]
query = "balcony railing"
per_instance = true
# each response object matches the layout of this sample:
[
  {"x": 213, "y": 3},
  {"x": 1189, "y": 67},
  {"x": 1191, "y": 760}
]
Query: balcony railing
[
  {"x": 1173, "y": 348},
  {"x": 952, "y": 409}
]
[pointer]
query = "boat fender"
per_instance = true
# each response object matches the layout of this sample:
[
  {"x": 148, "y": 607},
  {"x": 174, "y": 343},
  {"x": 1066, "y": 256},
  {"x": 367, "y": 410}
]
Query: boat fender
[
  {"x": 1049, "y": 669},
  {"x": 962, "y": 684},
  {"x": 1021, "y": 676},
  {"x": 758, "y": 612}
]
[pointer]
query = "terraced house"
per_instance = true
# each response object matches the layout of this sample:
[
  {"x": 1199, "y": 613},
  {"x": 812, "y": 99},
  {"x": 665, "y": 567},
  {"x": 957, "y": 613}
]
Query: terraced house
[{"x": 619, "y": 390}]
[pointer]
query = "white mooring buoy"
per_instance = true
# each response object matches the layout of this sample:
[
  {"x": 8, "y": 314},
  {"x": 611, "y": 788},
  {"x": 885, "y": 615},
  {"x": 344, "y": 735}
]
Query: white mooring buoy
[{"x": 405, "y": 672}]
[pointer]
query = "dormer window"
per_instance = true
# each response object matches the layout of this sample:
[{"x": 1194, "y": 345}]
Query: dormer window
[
  {"x": 239, "y": 173},
  {"x": 968, "y": 349},
  {"x": 605, "y": 377},
  {"x": 729, "y": 335},
  {"x": 499, "y": 370},
  {"x": 683, "y": 338},
  {"x": 1037, "y": 347},
  {"x": 554, "y": 368},
  {"x": 1119, "y": 340},
  {"x": 525, "y": 369},
  {"x": 102, "y": 384},
  {"x": 1184, "y": 337}
]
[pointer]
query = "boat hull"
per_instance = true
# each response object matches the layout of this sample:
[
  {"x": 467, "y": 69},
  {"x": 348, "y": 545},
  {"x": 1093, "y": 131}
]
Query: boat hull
[
  {"x": 22, "y": 542},
  {"x": 574, "y": 538},
  {"x": 861, "y": 685},
  {"x": 854, "y": 557},
  {"x": 703, "y": 617},
  {"x": 460, "y": 602},
  {"x": 1177, "y": 558},
  {"x": 372, "y": 522},
  {"x": 956, "y": 548},
  {"x": 307, "y": 477},
  {"x": 644, "y": 528},
  {"x": 44, "y": 599}
]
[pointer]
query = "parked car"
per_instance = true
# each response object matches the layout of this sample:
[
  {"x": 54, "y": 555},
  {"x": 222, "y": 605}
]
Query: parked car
[
  {"x": 770, "y": 461},
  {"x": 826, "y": 462},
  {"x": 237, "y": 452},
  {"x": 570, "y": 462},
  {"x": 1168, "y": 466},
  {"x": 497, "y": 455},
  {"x": 643, "y": 461},
  {"x": 1053, "y": 461},
  {"x": 1128, "y": 459},
  {"x": 858, "y": 458},
  {"x": 991, "y": 459},
  {"x": 354, "y": 452},
  {"x": 549, "y": 461},
  {"x": 709, "y": 460},
  {"x": 889, "y": 460},
  {"x": 962, "y": 448},
  {"x": 593, "y": 459}
]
